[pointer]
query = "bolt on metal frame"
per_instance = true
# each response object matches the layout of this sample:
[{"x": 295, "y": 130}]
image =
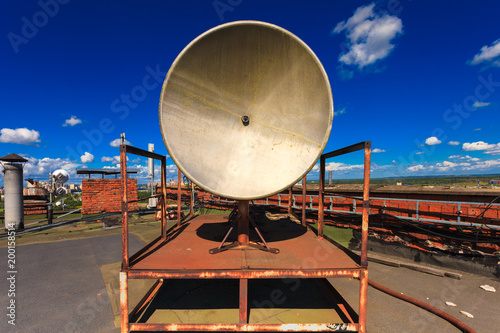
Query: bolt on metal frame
[{"x": 360, "y": 271}]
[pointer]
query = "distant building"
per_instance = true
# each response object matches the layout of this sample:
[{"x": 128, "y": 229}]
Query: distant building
[
  {"x": 34, "y": 190},
  {"x": 494, "y": 182},
  {"x": 32, "y": 183},
  {"x": 74, "y": 187}
]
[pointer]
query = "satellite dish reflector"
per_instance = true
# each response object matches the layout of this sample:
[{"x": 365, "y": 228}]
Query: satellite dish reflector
[
  {"x": 60, "y": 176},
  {"x": 246, "y": 110}
]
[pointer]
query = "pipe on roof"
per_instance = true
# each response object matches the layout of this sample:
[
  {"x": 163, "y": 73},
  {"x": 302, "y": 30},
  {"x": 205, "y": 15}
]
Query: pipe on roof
[{"x": 452, "y": 320}]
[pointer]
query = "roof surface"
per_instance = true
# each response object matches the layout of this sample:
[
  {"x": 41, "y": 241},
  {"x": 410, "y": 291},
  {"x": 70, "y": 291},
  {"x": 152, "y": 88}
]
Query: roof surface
[{"x": 13, "y": 158}]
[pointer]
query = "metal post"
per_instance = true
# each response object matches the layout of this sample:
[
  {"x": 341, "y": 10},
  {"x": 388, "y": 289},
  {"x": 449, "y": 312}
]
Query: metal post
[
  {"x": 366, "y": 206},
  {"x": 179, "y": 195},
  {"x": 243, "y": 221},
  {"x": 123, "y": 172},
  {"x": 321, "y": 196},
  {"x": 50, "y": 212},
  {"x": 363, "y": 300},
  {"x": 151, "y": 165},
  {"x": 191, "y": 206},
  {"x": 163, "y": 198},
  {"x": 51, "y": 187},
  {"x": 124, "y": 301},
  {"x": 304, "y": 192},
  {"x": 243, "y": 301},
  {"x": 290, "y": 195}
]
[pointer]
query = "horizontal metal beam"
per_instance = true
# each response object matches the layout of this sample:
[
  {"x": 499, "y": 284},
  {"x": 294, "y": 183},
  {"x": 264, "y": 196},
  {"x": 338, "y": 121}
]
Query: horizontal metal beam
[
  {"x": 242, "y": 274},
  {"x": 142, "y": 152},
  {"x": 349, "y": 149},
  {"x": 349, "y": 327}
]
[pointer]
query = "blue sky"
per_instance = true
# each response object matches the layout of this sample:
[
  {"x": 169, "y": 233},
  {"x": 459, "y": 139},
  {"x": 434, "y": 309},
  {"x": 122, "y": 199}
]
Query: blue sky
[{"x": 420, "y": 79}]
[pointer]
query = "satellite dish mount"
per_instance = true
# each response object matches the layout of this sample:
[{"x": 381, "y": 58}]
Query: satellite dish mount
[{"x": 243, "y": 220}]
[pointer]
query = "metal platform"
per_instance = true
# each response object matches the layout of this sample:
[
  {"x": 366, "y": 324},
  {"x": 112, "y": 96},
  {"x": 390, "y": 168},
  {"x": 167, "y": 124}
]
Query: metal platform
[{"x": 183, "y": 253}]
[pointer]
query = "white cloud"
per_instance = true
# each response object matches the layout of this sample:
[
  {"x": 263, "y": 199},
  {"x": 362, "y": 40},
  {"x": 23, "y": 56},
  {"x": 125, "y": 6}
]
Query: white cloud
[
  {"x": 87, "y": 158},
  {"x": 484, "y": 165},
  {"x": 479, "y": 145},
  {"x": 441, "y": 167},
  {"x": 369, "y": 36},
  {"x": 477, "y": 129},
  {"x": 446, "y": 165},
  {"x": 419, "y": 153},
  {"x": 115, "y": 160},
  {"x": 454, "y": 143},
  {"x": 21, "y": 136},
  {"x": 171, "y": 168},
  {"x": 72, "y": 121},
  {"x": 494, "y": 150},
  {"x": 464, "y": 157},
  {"x": 478, "y": 104},
  {"x": 339, "y": 112},
  {"x": 335, "y": 166},
  {"x": 460, "y": 164},
  {"x": 118, "y": 142},
  {"x": 42, "y": 167},
  {"x": 417, "y": 167},
  {"x": 377, "y": 150},
  {"x": 109, "y": 159},
  {"x": 489, "y": 54},
  {"x": 143, "y": 171},
  {"x": 432, "y": 141}
]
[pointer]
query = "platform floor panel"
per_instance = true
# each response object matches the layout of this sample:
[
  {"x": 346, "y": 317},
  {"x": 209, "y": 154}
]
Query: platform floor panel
[
  {"x": 188, "y": 249},
  {"x": 270, "y": 301}
]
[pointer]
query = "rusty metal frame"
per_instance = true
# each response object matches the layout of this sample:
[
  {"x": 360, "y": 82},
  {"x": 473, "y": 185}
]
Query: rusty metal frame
[
  {"x": 124, "y": 149},
  {"x": 128, "y": 319},
  {"x": 363, "y": 261}
]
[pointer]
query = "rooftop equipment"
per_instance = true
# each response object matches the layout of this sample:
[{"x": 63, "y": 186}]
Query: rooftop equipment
[
  {"x": 245, "y": 112},
  {"x": 240, "y": 102}
]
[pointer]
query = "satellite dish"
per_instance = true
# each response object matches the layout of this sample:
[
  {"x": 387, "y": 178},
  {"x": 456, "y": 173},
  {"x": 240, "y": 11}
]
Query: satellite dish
[
  {"x": 246, "y": 110},
  {"x": 60, "y": 191},
  {"x": 60, "y": 176}
]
